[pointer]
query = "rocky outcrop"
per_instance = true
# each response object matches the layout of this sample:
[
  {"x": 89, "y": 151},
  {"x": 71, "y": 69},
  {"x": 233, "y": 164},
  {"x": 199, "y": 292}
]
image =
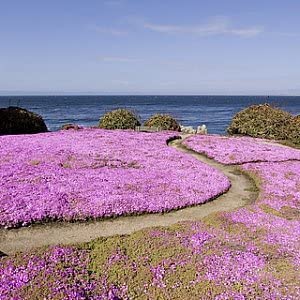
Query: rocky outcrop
[
  {"x": 201, "y": 129},
  {"x": 16, "y": 120},
  {"x": 70, "y": 126},
  {"x": 187, "y": 129}
]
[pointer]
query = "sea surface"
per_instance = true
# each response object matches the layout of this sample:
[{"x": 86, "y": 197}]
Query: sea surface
[{"x": 213, "y": 111}]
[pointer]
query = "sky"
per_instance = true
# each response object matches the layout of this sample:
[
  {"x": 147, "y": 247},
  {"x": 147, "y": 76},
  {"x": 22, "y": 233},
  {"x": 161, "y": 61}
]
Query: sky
[{"x": 156, "y": 47}]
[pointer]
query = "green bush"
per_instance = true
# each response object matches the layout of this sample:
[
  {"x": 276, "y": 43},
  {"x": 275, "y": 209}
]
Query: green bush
[
  {"x": 16, "y": 120},
  {"x": 293, "y": 130},
  {"x": 264, "y": 121},
  {"x": 119, "y": 119},
  {"x": 164, "y": 122}
]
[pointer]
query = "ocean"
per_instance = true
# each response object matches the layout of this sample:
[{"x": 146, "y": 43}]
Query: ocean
[{"x": 213, "y": 111}]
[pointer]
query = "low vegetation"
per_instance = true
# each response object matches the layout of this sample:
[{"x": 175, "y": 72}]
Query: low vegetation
[
  {"x": 264, "y": 121},
  {"x": 120, "y": 119},
  {"x": 293, "y": 130},
  {"x": 249, "y": 253},
  {"x": 239, "y": 150},
  {"x": 96, "y": 173},
  {"x": 163, "y": 121}
]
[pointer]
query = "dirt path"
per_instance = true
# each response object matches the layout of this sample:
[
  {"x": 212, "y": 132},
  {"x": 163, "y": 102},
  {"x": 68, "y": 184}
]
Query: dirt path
[{"x": 240, "y": 194}]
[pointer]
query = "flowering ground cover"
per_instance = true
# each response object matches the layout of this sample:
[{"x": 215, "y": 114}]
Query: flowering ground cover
[
  {"x": 93, "y": 173},
  {"x": 249, "y": 253},
  {"x": 238, "y": 150},
  {"x": 277, "y": 211}
]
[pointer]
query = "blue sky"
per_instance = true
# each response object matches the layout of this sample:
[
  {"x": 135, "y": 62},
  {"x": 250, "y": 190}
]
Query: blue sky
[{"x": 150, "y": 47}]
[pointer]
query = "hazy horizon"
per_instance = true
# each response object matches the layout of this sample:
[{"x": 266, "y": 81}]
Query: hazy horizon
[{"x": 66, "y": 94}]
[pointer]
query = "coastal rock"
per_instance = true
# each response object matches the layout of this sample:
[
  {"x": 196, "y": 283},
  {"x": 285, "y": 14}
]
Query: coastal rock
[
  {"x": 202, "y": 129},
  {"x": 2, "y": 254},
  {"x": 187, "y": 129},
  {"x": 16, "y": 120},
  {"x": 70, "y": 126}
]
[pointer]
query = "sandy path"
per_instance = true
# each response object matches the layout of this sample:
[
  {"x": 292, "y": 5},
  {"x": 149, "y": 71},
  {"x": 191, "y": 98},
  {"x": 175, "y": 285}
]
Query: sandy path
[{"x": 240, "y": 194}]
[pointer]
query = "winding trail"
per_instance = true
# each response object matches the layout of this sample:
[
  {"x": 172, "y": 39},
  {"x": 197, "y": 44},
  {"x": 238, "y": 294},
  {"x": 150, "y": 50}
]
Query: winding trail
[{"x": 240, "y": 194}]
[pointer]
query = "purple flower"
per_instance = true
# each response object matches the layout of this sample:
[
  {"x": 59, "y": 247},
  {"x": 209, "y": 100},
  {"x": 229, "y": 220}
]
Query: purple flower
[{"x": 77, "y": 175}]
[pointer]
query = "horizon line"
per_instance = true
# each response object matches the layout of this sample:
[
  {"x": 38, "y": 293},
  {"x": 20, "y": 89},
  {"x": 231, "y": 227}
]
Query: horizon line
[{"x": 143, "y": 95}]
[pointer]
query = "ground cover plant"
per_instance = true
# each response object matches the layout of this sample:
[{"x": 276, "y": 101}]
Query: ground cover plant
[
  {"x": 249, "y": 253},
  {"x": 92, "y": 173},
  {"x": 238, "y": 150}
]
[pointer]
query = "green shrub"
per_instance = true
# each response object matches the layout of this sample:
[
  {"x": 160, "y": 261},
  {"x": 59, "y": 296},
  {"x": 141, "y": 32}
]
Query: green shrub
[
  {"x": 165, "y": 122},
  {"x": 262, "y": 120},
  {"x": 16, "y": 120},
  {"x": 119, "y": 119},
  {"x": 293, "y": 130}
]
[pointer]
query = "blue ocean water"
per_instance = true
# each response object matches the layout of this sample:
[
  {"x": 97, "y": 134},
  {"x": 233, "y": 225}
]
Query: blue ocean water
[{"x": 214, "y": 111}]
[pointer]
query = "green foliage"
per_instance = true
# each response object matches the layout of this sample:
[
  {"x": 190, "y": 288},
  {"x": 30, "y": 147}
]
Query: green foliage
[
  {"x": 119, "y": 119},
  {"x": 287, "y": 212},
  {"x": 165, "y": 122},
  {"x": 16, "y": 120},
  {"x": 264, "y": 121},
  {"x": 128, "y": 260},
  {"x": 293, "y": 130}
]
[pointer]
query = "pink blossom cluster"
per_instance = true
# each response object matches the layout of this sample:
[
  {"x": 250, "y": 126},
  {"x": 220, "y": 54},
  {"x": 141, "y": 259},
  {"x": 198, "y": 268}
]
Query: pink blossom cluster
[
  {"x": 280, "y": 183},
  {"x": 62, "y": 272},
  {"x": 15, "y": 278},
  {"x": 239, "y": 150},
  {"x": 234, "y": 266},
  {"x": 59, "y": 273},
  {"x": 278, "y": 171},
  {"x": 249, "y": 253},
  {"x": 280, "y": 191},
  {"x": 93, "y": 173}
]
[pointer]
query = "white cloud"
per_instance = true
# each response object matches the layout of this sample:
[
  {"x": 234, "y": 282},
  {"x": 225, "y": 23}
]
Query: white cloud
[{"x": 217, "y": 26}]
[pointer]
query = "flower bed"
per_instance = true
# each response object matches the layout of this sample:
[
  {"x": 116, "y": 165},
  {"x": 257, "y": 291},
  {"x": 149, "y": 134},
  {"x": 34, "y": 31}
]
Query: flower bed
[
  {"x": 77, "y": 175},
  {"x": 250, "y": 253},
  {"x": 277, "y": 210},
  {"x": 238, "y": 150}
]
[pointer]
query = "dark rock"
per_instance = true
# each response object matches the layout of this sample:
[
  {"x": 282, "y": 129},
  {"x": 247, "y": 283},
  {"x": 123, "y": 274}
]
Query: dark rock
[
  {"x": 2, "y": 254},
  {"x": 70, "y": 126},
  {"x": 16, "y": 120}
]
